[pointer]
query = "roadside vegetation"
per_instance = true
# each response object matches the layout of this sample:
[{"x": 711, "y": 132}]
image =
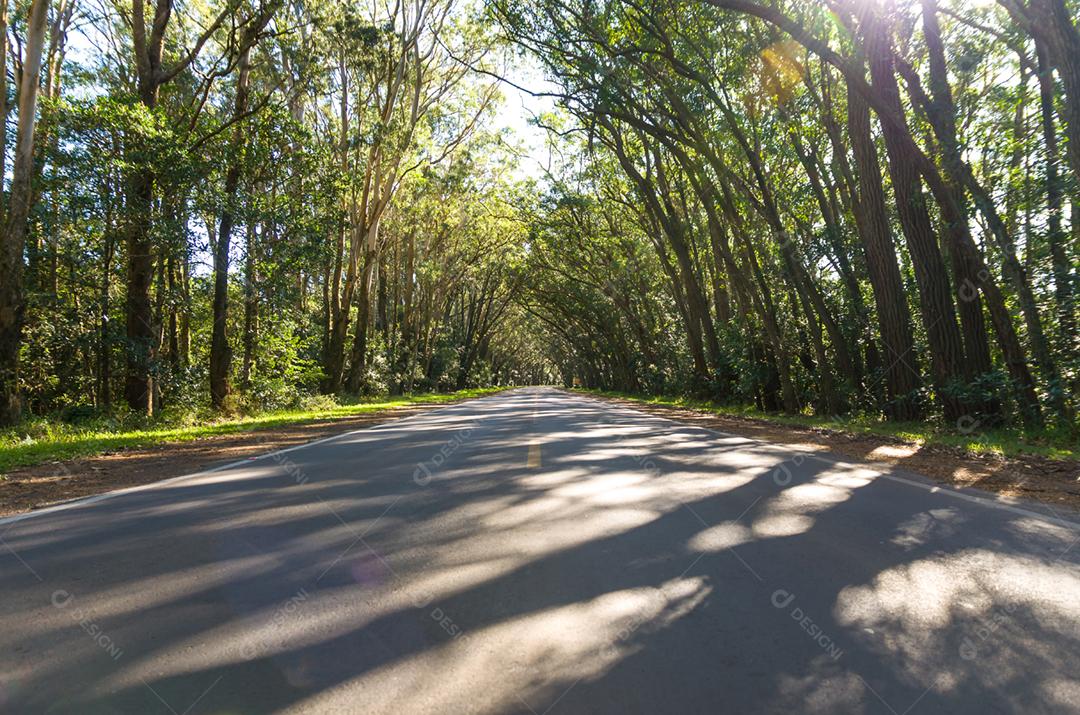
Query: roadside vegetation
[
  {"x": 973, "y": 439},
  {"x": 49, "y": 439}
]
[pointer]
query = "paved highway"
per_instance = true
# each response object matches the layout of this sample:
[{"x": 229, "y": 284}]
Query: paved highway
[{"x": 537, "y": 552}]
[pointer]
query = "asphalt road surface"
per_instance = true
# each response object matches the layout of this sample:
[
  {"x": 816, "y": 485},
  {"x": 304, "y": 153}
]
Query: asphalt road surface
[{"x": 536, "y": 552}]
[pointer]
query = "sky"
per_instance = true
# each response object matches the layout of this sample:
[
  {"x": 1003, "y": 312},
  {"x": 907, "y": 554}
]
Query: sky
[{"x": 520, "y": 107}]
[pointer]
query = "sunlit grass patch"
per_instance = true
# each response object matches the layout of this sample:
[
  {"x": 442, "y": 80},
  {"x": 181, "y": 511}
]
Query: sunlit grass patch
[{"x": 41, "y": 440}]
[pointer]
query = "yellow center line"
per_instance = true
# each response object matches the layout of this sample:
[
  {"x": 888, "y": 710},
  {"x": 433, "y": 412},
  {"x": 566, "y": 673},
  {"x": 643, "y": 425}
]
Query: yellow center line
[{"x": 534, "y": 455}]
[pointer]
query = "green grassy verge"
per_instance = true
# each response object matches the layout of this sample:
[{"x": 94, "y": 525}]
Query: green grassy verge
[
  {"x": 1007, "y": 442},
  {"x": 44, "y": 440}
]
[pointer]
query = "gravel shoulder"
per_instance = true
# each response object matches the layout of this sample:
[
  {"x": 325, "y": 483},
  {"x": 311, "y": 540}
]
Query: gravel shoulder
[
  {"x": 1055, "y": 482},
  {"x": 52, "y": 483}
]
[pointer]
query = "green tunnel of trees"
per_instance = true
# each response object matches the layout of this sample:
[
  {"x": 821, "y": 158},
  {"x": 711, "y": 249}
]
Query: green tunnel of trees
[{"x": 826, "y": 206}]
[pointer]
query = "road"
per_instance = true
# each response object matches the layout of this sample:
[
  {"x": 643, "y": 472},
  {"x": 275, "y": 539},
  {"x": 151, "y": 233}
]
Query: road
[{"x": 538, "y": 552}]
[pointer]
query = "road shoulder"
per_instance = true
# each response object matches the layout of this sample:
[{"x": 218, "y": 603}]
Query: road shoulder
[
  {"x": 50, "y": 484},
  {"x": 1055, "y": 483}
]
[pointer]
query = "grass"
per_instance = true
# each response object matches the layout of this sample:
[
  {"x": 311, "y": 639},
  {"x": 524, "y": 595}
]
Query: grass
[
  {"x": 1005, "y": 442},
  {"x": 48, "y": 440}
]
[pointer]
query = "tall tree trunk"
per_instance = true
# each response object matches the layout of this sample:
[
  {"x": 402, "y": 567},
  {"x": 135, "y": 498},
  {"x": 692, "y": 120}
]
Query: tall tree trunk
[
  {"x": 173, "y": 329},
  {"x": 902, "y": 379},
  {"x": 44, "y": 254},
  {"x": 140, "y": 272},
  {"x": 138, "y": 203},
  {"x": 358, "y": 359},
  {"x": 220, "y": 352},
  {"x": 935, "y": 295},
  {"x": 104, "y": 391},
  {"x": 670, "y": 226},
  {"x": 842, "y": 261},
  {"x": 4, "y": 108},
  {"x": 251, "y": 305},
  {"x": 16, "y": 226},
  {"x": 184, "y": 270},
  {"x": 972, "y": 275},
  {"x": 1056, "y": 237},
  {"x": 792, "y": 263},
  {"x": 150, "y": 75},
  {"x": 1052, "y": 26}
]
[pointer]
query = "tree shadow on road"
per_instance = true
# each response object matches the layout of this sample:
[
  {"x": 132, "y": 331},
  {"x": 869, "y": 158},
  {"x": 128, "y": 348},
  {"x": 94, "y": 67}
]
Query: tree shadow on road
[{"x": 641, "y": 566}]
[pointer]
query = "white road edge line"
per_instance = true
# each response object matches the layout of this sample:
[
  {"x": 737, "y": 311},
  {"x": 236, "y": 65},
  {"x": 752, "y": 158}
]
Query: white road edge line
[
  {"x": 85, "y": 501},
  {"x": 1004, "y": 503},
  {"x": 1000, "y": 502}
]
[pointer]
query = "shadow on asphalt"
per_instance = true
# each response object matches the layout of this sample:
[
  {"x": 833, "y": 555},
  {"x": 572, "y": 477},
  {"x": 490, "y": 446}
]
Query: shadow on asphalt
[{"x": 643, "y": 566}]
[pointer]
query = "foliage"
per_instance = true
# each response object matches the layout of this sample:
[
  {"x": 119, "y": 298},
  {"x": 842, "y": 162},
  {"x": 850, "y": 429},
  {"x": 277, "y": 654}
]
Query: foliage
[
  {"x": 46, "y": 439},
  {"x": 791, "y": 206}
]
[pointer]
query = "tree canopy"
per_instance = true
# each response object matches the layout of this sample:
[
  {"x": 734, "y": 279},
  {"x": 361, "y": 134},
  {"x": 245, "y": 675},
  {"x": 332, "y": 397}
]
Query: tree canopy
[{"x": 861, "y": 207}]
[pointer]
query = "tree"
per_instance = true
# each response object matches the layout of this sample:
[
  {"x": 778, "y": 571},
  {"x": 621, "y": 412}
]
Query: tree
[{"x": 19, "y": 204}]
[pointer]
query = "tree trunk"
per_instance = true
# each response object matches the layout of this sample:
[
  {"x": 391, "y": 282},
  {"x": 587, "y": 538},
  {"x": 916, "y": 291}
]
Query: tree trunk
[
  {"x": 220, "y": 351},
  {"x": 173, "y": 329},
  {"x": 1051, "y": 25},
  {"x": 358, "y": 361},
  {"x": 935, "y": 296},
  {"x": 16, "y": 226},
  {"x": 104, "y": 392},
  {"x": 1055, "y": 234},
  {"x": 902, "y": 379},
  {"x": 251, "y": 307},
  {"x": 185, "y": 304},
  {"x": 138, "y": 385}
]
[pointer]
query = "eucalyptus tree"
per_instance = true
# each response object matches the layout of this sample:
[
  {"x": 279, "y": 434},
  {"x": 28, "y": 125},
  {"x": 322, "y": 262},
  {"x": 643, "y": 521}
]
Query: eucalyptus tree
[
  {"x": 16, "y": 213},
  {"x": 153, "y": 69},
  {"x": 733, "y": 106},
  {"x": 910, "y": 165},
  {"x": 396, "y": 86},
  {"x": 220, "y": 351}
]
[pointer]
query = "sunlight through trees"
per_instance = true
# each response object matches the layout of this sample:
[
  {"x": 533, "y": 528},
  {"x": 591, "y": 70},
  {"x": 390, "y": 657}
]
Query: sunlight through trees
[{"x": 852, "y": 207}]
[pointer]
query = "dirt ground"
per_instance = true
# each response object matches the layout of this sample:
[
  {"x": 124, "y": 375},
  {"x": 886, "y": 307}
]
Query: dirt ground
[
  {"x": 1050, "y": 481},
  {"x": 54, "y": 482}
]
